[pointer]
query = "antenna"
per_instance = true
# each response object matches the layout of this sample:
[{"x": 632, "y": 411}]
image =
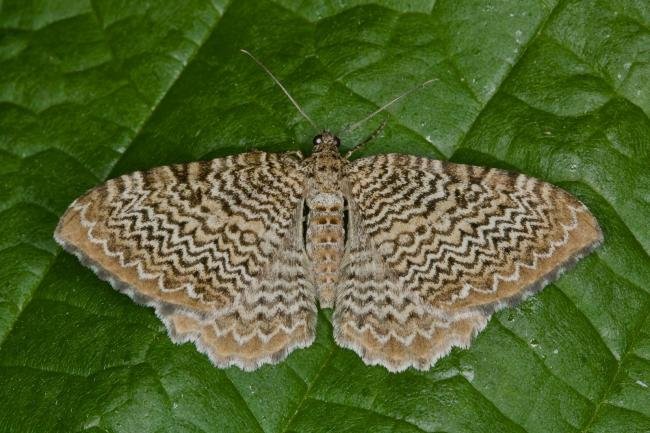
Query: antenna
[
  {"x": 286, "y": 92},
  {"x": 386, "y": 105}
]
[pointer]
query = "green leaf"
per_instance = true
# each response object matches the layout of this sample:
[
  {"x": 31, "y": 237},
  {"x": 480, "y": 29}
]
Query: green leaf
[{"x": 93, "y": 89}]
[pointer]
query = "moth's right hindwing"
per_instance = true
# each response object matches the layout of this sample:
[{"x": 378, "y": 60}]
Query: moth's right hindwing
[{"x": 215, "y": 247}]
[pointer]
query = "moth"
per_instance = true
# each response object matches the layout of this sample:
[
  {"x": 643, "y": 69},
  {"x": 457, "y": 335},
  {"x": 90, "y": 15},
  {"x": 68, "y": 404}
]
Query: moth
[{"x": 413, "y": 254}]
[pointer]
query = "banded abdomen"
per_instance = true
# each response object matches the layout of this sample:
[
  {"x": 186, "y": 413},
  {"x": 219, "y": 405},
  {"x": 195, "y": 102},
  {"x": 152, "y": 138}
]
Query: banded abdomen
[{"x": 325, "y": 242}]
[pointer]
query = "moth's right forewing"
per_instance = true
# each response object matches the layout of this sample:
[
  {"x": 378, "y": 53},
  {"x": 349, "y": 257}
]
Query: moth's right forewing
[{"x": 206, "y": 244}]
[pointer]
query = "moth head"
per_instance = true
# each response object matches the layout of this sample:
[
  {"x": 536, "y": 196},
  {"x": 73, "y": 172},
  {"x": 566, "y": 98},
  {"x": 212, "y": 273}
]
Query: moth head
[{"x": 326, "y": 140}]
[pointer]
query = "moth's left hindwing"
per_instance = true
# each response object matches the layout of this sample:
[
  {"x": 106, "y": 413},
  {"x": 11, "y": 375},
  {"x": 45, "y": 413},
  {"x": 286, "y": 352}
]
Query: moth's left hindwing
[{"x": 435, "y": 248}]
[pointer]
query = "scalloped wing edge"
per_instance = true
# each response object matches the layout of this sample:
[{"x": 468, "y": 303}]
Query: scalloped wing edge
[
  {"x": 164, "y": 311},
  {"x": 485, "y": 311}
]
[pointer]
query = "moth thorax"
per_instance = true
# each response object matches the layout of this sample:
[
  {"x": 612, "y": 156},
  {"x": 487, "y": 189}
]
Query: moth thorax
[{"x": 325, "y": 242}]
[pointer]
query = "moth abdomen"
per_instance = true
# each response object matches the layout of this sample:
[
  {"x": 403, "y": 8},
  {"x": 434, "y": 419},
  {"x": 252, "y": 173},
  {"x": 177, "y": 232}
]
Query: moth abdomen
[{"x": 325, "y": 242}]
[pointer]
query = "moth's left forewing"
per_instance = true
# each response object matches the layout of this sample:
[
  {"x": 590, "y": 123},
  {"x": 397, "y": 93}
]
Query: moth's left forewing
[
  {"x": 455, "y": 242},
  {"x": 535, "y": 232}
]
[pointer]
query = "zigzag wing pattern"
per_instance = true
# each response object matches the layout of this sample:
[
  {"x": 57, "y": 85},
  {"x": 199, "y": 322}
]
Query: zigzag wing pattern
[
  {"x": 214, "y": 246},
  {"x": 435, "y": 248}
]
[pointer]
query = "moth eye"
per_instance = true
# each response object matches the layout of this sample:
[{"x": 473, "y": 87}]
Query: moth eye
[
  {"x": 318, "y": 139},
  {"x": 337, "y": 141}
]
